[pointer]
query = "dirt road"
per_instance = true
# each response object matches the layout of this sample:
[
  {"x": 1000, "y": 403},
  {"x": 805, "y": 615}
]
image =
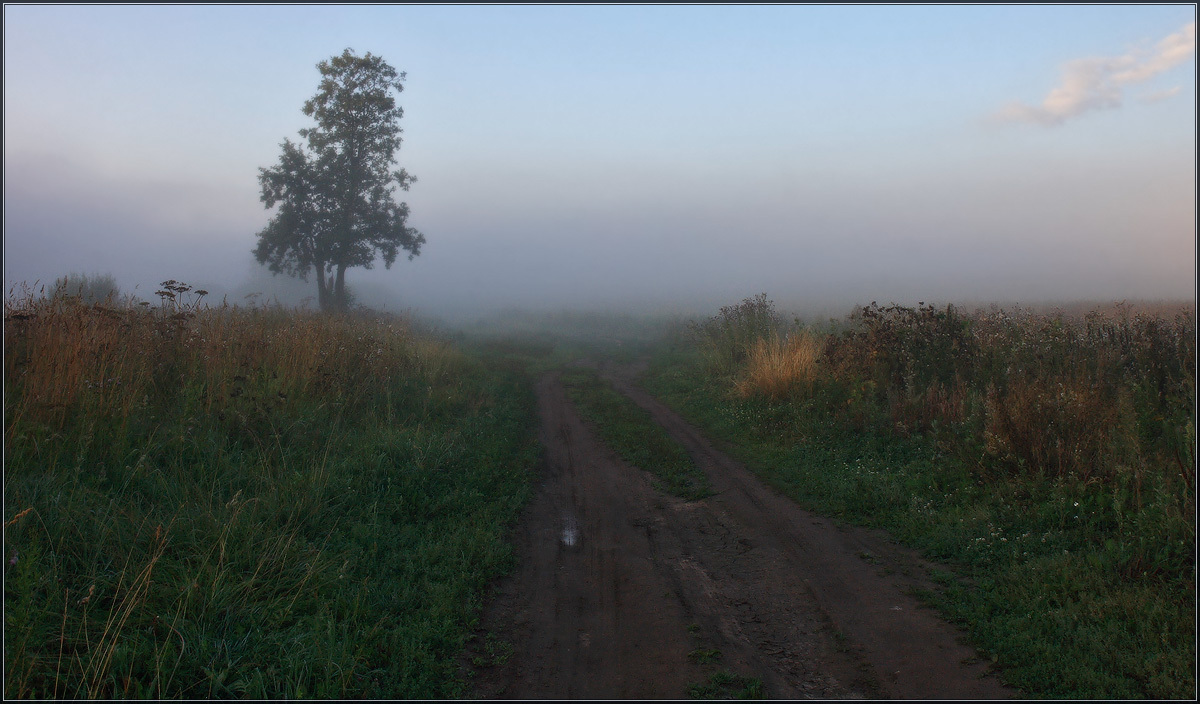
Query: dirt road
[{"x": 624, "y": 592}]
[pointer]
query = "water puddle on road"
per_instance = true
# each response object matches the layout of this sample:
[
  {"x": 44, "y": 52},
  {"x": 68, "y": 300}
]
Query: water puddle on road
[{"x": 570, "y": 531}]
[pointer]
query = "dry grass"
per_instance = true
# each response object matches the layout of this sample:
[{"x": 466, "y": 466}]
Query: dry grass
[
  {"x": 70, "y": 357},
  {"x": 776, "y": 367}
]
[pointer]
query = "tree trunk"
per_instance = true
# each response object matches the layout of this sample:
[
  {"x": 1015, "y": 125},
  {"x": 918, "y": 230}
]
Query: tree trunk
[
  {"x": 323, "y": 293},
  {"x": 339, "y": 290}
]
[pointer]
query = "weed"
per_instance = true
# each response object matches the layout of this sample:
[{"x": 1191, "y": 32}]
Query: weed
[
  {"x": 496, "y": 652},
  {"x": 728, "y": 338},
  {"x": 726, "y": 685}
]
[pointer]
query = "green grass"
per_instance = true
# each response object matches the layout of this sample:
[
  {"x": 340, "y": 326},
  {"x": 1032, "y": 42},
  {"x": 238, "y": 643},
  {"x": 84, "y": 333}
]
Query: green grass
[
  {"x": 726, "y": 685},
  {"x": 1072, "y": 592},
  {"x": 234, "y": 531},
  {"x": 495, "y": 652},
  {"x": 633, "y": 434}
]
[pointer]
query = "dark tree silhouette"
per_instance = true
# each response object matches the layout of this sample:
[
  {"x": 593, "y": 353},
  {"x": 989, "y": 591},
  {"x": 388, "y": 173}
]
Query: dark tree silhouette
[{"x": 335, "y": 198}]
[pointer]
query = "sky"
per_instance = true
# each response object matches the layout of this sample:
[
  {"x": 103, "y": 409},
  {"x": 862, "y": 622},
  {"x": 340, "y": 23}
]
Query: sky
[{"x": 614, "y": 156}]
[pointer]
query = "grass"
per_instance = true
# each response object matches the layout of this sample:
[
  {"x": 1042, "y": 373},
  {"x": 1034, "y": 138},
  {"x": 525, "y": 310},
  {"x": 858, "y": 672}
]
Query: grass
[
  {"x": 495, "y": 652},
  {"x": 726, "y": 685},
  {"x": 776, "y": 367},
  {"x": 632, "y": 433},
  {"x": 1061, "y": 498},
  {"x": 220, "y": 503}
]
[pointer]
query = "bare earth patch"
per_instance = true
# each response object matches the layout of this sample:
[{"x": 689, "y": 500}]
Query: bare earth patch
[{"x": 624, "y": 592}]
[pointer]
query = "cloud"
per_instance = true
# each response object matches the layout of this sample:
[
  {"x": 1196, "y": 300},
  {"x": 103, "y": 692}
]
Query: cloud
[
  {"x": 1169, "y": 53},
  {"x": 1161, "y": 95},
  {"x": 1097, "y": 83}
]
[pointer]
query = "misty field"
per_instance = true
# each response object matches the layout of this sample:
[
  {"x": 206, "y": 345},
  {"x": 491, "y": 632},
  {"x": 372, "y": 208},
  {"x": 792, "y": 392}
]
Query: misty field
[
  {"x": 267, "y": 503},
  {"x": 219, "y": 502},
  {"x": 1047, "y": 459}
]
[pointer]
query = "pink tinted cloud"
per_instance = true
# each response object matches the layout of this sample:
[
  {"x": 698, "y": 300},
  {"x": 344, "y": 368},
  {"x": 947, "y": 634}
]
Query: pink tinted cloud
[{"x": 1097, "y": 83}]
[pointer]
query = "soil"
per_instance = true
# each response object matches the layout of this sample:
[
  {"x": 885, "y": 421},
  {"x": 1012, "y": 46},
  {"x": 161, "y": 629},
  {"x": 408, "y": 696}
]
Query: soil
[{"x": 624, "y": 592}]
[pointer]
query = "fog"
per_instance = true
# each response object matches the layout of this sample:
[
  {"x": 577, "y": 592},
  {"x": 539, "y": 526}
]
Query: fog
[
  {"x": 658, "y": 210},
  {"x": 524, "y": 245}
]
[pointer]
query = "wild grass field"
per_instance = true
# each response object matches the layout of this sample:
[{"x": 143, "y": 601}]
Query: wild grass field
[
  {"x": 257, "y": 502},
  {"x": 217, "y": 502},
  {"x": 1047, "y": 459}
]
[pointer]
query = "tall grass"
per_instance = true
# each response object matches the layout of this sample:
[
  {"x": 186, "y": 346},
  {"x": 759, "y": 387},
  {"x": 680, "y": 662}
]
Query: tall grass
[
  {"x": 223, "y": 502},
  {"x": 776, "y": 367}
]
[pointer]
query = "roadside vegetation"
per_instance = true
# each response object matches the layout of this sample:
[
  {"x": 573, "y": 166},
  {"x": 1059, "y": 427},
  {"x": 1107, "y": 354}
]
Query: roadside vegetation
[
  {"x": 216, "y": 502},
  {"x": 726, "y": 685},
  {"x": 1047, "y": 459}
]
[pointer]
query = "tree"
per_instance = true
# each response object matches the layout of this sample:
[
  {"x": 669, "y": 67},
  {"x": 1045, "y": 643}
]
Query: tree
[{"x": 335, "y": 198}]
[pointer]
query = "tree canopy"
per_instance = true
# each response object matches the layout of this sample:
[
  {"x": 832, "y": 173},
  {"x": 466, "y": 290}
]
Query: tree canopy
[{"x": 336, "y": 196}]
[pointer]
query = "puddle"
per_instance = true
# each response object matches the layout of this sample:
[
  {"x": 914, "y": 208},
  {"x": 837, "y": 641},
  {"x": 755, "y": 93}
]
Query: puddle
[{"x": 570, "y": 531}]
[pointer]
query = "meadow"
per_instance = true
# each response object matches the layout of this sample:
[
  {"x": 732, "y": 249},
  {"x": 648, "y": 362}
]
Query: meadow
[
  {"x": 221, "y": 502},
  {"x": 1045, "y": 459},
  {"x": 217, "y": 501}
]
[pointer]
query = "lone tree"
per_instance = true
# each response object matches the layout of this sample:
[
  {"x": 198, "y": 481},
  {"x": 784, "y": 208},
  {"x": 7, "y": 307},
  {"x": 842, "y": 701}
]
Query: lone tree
[{"x": 336, "y": 208}]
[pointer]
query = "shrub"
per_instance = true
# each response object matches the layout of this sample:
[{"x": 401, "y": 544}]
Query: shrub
[
  {"x": 906, "y": 349},
  {"x": 727, "y": 338},
  {"x": 1090, "y": 397},
  {"x": 1053, "y": 427}
]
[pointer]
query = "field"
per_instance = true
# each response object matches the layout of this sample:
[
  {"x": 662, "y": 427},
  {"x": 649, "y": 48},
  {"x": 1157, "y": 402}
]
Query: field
[
  {"x": 257, "y": 502},
  {"x": 218, "y": 502}
]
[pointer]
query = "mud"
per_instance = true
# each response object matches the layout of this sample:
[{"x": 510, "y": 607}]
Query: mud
[{"x": 625, "y": 592}]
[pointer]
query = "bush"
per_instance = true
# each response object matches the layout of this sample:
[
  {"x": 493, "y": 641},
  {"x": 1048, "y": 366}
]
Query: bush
[
  {"x": 1057, "y": 427},
  {"x": 727, "y": 338}
]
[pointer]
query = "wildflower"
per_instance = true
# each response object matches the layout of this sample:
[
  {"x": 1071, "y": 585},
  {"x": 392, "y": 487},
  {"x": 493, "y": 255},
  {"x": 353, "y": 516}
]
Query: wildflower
[{"x": 12, "y": 562}]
